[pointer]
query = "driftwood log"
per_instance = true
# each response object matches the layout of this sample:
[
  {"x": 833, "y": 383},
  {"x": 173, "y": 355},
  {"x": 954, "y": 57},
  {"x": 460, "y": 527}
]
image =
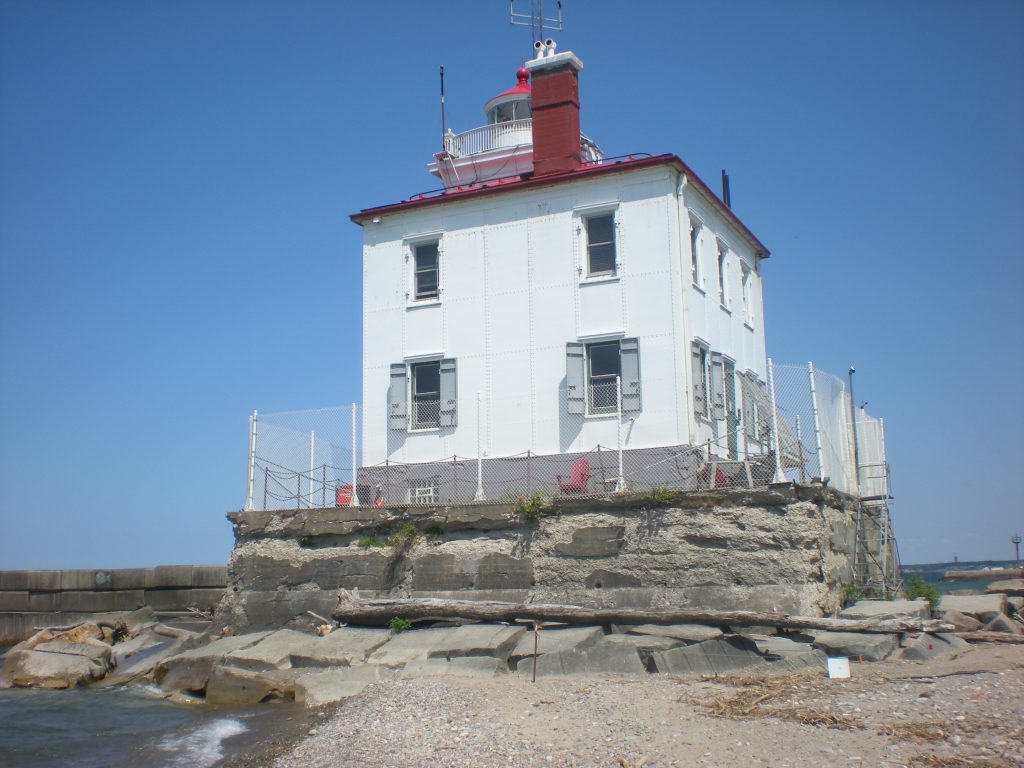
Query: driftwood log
[
  {"x": 380, "y": 611},
  {"x": 991, "y": 637}
]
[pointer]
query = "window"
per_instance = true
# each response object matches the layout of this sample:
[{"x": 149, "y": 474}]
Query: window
[
  {"x": 723, "y": 272},
  {"x": 748, "y": 314},
  {"x": 695, "y": 227},
  {"x": 603, "y": 371},
  {"x": 430, "y": 387},
  {"x": 600, "y": 245},
  {"x": 593, "y": 371},
  {"x": 512, "y": 110},
  {"x": 426, "y": 395},
  {"x": 425, "y": 277},
  {"x": 701, "y": 375},
  {"x": 424, "y": 491}
]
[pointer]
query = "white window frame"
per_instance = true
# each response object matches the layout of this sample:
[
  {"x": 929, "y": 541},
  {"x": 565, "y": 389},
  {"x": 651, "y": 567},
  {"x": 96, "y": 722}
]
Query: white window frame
[
  {"x": 745, "y": 279},
  {"x": 723, "y": 274},
  {"x": 583, "y": 216},
  {"x": 606, "y": 379},
  {"x": 412, "y": 243},
  {"x": 414, "y": 424},
  {"x": 696, "y": 273}
]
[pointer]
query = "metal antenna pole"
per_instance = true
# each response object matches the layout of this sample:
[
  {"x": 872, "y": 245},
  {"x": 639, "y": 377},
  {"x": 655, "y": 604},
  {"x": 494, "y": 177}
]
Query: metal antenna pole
[
  {"x": 853, "y": 426},
  {"x": 444, "y": 126}
]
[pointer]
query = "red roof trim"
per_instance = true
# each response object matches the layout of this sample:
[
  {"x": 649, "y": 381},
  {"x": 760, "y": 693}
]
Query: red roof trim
[{"x": 500, "y": 186}]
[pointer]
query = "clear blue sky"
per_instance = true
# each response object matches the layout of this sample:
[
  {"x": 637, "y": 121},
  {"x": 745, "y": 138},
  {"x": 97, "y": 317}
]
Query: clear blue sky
[{"x": 175, "y": 179}]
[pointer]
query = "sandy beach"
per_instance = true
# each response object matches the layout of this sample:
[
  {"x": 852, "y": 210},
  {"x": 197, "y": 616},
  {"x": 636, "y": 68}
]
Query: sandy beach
[{"x": 965, "y": 711}]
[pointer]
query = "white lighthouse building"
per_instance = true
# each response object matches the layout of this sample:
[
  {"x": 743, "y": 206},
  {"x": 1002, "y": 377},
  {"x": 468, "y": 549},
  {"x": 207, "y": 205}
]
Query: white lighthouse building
[{"x": 551, "y": 302}]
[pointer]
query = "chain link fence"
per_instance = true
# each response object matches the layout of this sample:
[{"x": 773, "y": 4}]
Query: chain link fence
[{"x": 306, "y": 459}]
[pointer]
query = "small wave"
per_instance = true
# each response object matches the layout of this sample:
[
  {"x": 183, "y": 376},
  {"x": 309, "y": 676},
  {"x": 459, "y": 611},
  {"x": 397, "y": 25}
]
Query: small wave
[{"x": 201, "y": 747}]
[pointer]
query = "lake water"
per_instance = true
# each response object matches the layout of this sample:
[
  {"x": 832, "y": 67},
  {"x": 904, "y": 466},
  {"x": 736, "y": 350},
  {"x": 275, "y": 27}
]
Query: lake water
[{"x": 115, "y": 727}]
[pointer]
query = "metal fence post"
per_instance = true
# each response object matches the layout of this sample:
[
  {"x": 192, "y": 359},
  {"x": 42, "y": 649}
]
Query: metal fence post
[
  {"x": 479, "y": 495},
  {"x": 780, "y": 476},
  {"x": 354, "y": 501},
  {"x": 312, "y": 452},
  {"x": 252, "y": 462},
  {"x": 323, "y": 487},
  {"x": 266, "y": 479},
  {"x": 620, "y": 484},
  {"x": 822, "y": 473}
]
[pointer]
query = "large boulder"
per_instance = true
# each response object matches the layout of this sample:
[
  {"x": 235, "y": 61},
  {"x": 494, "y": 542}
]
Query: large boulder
[
  {"x": 858, "y": 645},
  {"x": 228, "y": 685},
  {"x": 272, "y": 652},
  {"x": 456, "y": 666},
  {"x": 477, "y": 640},
  {"x": 404, "y": 647},
  {"x": 316, "y": 688},
  {"x": 688, "y": 633},
  {"x": 924, "y": 647},
  {"x": 1000, "y": 623},
  {"x": 961, "y": 621},
  {"x": 40, "y": 669}
]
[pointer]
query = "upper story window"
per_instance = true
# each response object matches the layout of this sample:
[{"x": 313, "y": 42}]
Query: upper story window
[
  {"x": 695, "y": 227},
  {"x": 748, "y": 312},
  {"x": 600, "y": 244},
  {"x": 603, "y": 372},
  {"x": 723, "y": 274},
  {"x": 425, "y": 271}
]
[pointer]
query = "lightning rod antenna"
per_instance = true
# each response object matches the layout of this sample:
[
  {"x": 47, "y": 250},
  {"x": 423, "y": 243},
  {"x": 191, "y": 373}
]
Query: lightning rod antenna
[{"x": 444, "y": 127}]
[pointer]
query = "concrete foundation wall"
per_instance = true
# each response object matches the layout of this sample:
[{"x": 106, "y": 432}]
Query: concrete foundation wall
[
  {"x": 30, "y": 599},
  {"x": 787, "y": 548}
]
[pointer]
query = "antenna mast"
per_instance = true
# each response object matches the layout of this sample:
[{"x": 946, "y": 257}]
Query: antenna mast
[
  {"x": 443, "y": 126},
  {"x": 535, "y": 20}
]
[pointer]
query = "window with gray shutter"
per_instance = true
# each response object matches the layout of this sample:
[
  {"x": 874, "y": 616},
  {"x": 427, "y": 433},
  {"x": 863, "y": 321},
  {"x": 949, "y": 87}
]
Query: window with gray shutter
[
  {"x": 575, "y": 391},
  {"x": 449, "y": 399},
  {"x": 717, "y": 387},
  {"x": 397, "y": 395},
  {"x": 629, "y": 355}
]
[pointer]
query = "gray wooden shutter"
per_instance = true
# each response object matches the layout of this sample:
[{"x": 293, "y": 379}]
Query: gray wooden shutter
[
  {"x": 449, "y": 396},
  {"x": 629, "y": 362},
  {"x": 398, "y": 397},
  {"x": 575, "y": 392},
  {"x": 697, "y": 375},
  {"x": 747, "y": 393},
  {"x": 717, "y": 387}
]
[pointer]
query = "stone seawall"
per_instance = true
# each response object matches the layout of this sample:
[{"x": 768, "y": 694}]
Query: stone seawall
[
  {"x": 788, "y": 548},
  {"x": 30, "y": 599}
]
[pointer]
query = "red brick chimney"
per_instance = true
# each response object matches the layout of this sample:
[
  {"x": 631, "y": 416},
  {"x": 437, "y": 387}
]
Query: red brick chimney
[{"x": 555, "y": 104}]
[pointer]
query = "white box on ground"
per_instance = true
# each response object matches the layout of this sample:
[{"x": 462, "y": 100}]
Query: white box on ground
[{"x": 839, "y": 667}]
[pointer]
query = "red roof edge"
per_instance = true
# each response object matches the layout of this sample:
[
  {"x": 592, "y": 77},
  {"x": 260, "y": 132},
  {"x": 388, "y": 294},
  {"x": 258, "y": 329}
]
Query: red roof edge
[{"x": 606, "y": 167}]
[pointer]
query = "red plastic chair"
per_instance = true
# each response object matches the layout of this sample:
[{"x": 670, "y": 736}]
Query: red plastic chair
[{"x": 579, "y": 478}]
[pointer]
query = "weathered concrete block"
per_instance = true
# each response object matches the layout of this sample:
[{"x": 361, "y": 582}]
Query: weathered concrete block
[
  {"x": 883, "y": 609},
  {"x": 169, "y": 577},
  {"x": 43, "y": 581},
  {"x": 1014, "y": 587},
  {"x": 440, "y": 572},
  {"x": 128, "y": 578},
  {"x": 925, "y": 646},
  {"x": 480, "y": 517},
  {"x": 711, "y": 657},
  {"x": 367, "y": 570},
  {"x": 345, "y": 646},
  {"x": 602, "y": 658},
  {"x": 44, "y": 601},
  {"x": 498, "y": 595},
  {"x": 191, "y": 670},
  {"x": 228, "y": 685},
  {"x": 500, "y": 571},
  {"x": 72, "y": 580},
  {"x": 554, "y": 641},
  {"x": 339, "y": 521},
  {"x": 596, "y": 541},
  {"x": 789, "y": 653},
  {"x": 96, "y": 602},
  {"x": 15, "y": 581},
  {"x": 983, "y": 607},
  {"x": 408, "y": 646},
  {"x": 472, "y": 666},
  {"x": 14, "y": 601},
  {"x": 94, "y": 650},
  {"x": 209, "y": 576},
  {"x": 314, "y": 689},
  {"x": 604, "y": 579},
  {"x": 858, "y": 645},
  {"x": 258, "y": 610},
  {"x": 272, "y": 652},
  {"x": 181, "y": 599},
  {"x": 687, "y": 633},
  {"x": 248, "y": 524},
  {"x": 477, "y": 640}
]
